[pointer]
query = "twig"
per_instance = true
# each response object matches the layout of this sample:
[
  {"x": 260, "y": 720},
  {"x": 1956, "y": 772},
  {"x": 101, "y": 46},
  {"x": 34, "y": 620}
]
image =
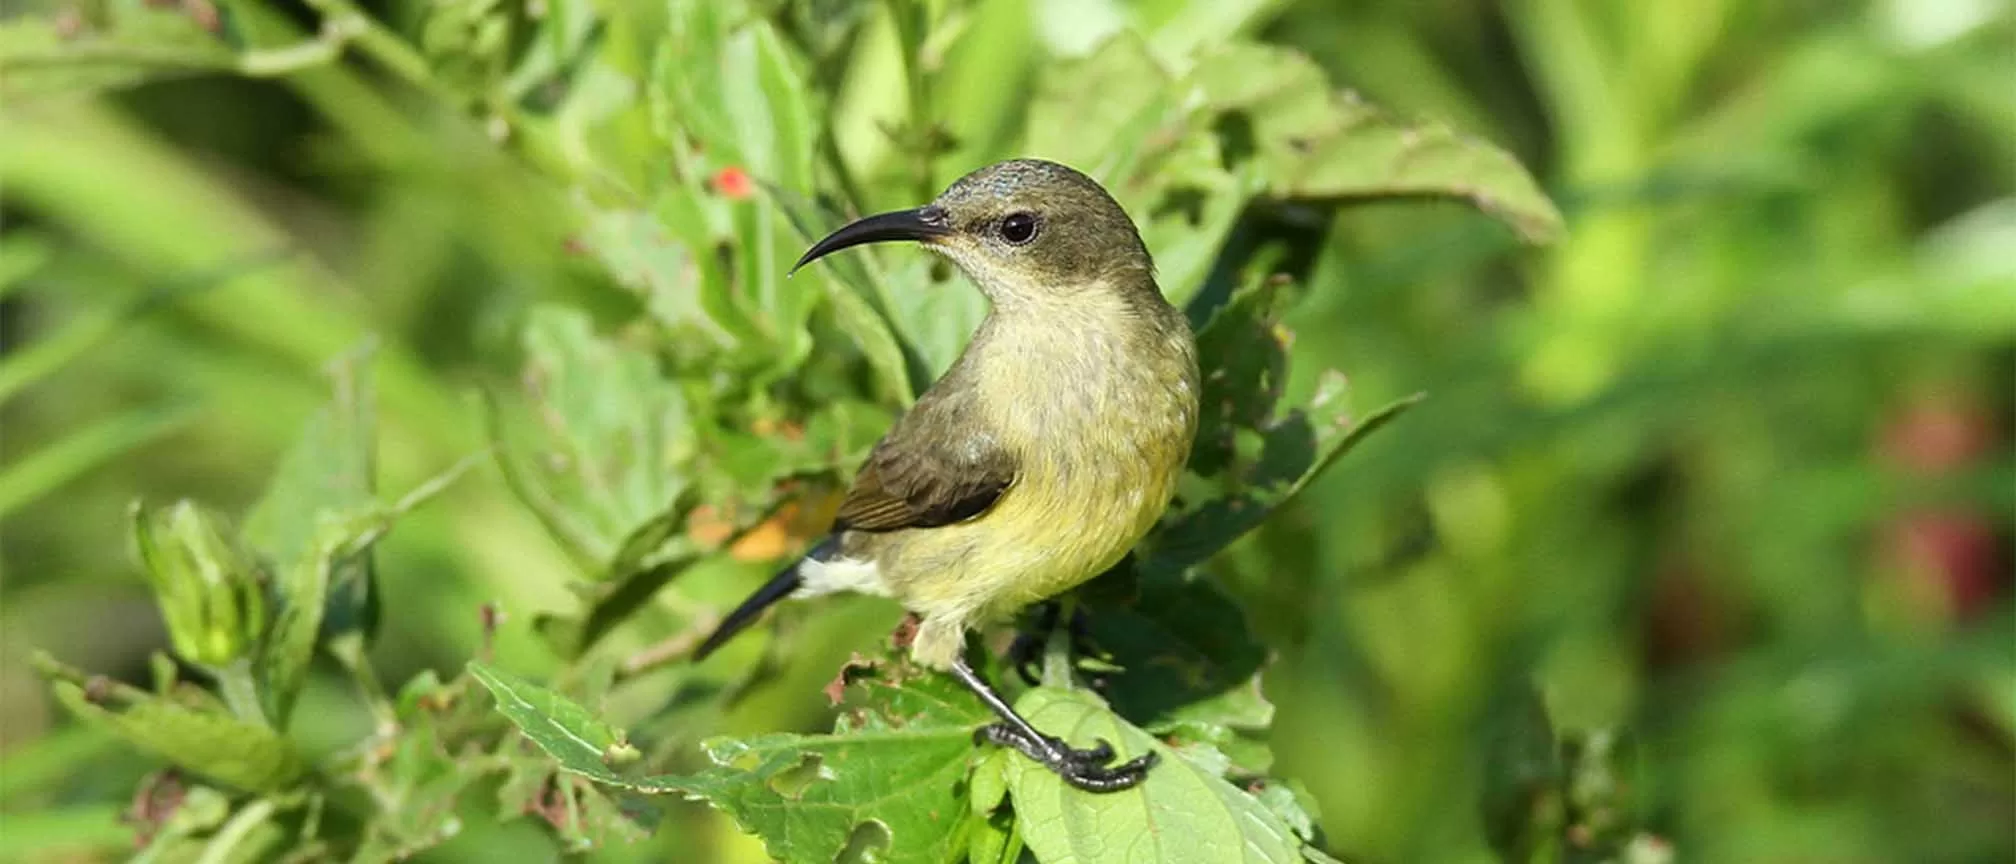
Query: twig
[{"x": 665, "y": 651}]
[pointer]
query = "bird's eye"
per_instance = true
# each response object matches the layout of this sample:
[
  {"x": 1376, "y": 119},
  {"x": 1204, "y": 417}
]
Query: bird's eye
[{"x": 1018, "y": 228}]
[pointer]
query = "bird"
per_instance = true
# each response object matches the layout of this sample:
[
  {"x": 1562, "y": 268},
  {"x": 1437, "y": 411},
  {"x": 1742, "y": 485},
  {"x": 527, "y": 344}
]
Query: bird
[{"x": 1045, "y": 452}]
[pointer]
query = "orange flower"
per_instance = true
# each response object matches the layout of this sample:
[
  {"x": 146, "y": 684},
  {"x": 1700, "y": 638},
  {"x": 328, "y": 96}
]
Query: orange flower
[{"x": 733, "y": 183}]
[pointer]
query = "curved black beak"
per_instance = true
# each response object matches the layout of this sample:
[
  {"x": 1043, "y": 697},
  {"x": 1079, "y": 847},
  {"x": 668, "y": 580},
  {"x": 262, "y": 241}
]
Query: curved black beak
[{"x": 922, "y": 223}]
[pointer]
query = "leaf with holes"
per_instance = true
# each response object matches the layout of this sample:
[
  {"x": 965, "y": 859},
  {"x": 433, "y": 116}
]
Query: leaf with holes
[
  {"x": 895, "y": 777},
  {"x": 1242, "y": 352},
  {"x": 1183, "y": 812}
]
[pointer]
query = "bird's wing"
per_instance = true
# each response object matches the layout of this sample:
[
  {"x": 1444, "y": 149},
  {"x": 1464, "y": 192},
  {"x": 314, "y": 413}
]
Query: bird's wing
[{"x": 919, "y": 478}]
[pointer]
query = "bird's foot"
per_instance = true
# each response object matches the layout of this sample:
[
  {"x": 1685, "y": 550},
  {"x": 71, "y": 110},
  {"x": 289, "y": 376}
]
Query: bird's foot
[{"x": 1085, "y": 769}]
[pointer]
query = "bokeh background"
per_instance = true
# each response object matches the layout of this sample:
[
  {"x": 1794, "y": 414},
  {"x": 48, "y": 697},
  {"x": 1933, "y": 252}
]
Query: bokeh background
[{"x": 1725, "y": 475}]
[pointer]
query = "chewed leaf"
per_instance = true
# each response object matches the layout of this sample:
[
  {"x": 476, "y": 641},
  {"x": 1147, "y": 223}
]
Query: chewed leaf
[
  {"x": 1183, "y": 812},
  {"x": 1315, "y": 144},
  {"x": 807, "y": 796},
  {"x": 1243, "y": 355},
  {"x": 561, "y": 727}
]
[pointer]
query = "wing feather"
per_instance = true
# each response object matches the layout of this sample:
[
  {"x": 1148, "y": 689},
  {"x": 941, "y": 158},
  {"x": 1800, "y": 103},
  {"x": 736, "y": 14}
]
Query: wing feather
[{"x": 919, "y": 476}]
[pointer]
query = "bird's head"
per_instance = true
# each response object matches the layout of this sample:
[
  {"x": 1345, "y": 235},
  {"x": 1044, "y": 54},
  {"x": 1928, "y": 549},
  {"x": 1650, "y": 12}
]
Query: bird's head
[{"x": 1023, "y": 230}]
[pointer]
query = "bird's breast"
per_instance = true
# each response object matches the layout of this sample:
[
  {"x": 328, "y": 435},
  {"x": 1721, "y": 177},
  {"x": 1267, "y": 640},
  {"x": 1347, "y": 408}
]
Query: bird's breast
[{"x": 1101, "y": 425}]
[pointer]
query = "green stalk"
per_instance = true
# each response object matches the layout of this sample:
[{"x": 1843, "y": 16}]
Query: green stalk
[{"x": 241, "y": 691}]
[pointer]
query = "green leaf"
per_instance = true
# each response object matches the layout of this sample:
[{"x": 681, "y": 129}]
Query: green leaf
[
  {"x": 1243, "y": 354},
  {"x": 284, "y": 661},
  {"x": 250, "y": 835},
  {"x": 892, "y": 775},
  {"x": 200, "y": 740},
  {"x": 600, "y": 446},
  {"x": 810, "y": 797},
  {"x": 314, "y": 526},
  {"x": 1315, "y": 144},
  {"x": 327, "y": 475},
  {"x": 424, "y": 769},
  {"x": 775, "y": 121},
  {"x": 856, "y": 299},
  {"x": 1179, "y": 28},
  {"x": 211, "y": 595},
  {"x": 684, "y": 294},
  {"x": 935, "y": 318},
  {"x": 23, "y": 253},
  {"x": 562, "y": 728},
  {"x": 732, "y": 86},
  {"x": 994, "y": 53},
  {"x": 725, "y": 90},
  {"x": 1183, "y": 812},
  {"x": 118, "y": 45},
  {"x": 1187, "y": 658},
  {"x": 24, "y": 367},
  {"x": 1295, "y": 450},
  {"x": 1097, "y": 114}
]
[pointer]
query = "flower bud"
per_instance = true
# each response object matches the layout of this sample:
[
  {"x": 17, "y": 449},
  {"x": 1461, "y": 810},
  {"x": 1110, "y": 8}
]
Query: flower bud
[{"x": 211, "y": 594}]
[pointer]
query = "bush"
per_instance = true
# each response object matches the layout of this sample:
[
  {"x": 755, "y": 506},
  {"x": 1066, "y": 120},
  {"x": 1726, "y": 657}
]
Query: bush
[{"x": 1675, "y": 532}]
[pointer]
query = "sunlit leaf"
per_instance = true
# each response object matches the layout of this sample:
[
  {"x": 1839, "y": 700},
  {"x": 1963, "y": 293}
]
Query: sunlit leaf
[
  {"x": 1317, "y": 144},
  {"x": 1098, "y": 114},
  {"x": 663, "y": 271},
  {"x": 1182, "y": 812},
  {"x": 857, "y": 299},
  {"x": 1179, "y": 29},
  {"x": 892, "y": 775}
]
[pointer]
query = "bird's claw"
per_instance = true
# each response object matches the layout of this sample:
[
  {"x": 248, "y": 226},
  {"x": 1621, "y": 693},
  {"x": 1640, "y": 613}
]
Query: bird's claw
[{"x": 1085, "y": 769}]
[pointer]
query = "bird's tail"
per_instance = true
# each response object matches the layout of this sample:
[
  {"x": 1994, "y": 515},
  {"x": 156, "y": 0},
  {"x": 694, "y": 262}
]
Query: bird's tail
[{"x": 778, "y": 588}]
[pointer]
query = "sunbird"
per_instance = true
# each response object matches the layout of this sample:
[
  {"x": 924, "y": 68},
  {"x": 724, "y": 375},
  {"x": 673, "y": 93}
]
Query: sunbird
[{"x": 1038, "y": 460}]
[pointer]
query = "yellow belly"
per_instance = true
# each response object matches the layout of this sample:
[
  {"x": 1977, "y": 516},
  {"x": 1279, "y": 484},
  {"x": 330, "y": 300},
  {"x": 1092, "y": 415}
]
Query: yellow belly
[
  {"x": 1052, "y": 531},
  {"x": 1100, "y": 424}
]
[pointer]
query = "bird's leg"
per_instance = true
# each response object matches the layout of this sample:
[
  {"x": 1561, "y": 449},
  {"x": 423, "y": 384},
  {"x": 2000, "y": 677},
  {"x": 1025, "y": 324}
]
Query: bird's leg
[{"x": 1085, "y": 769}]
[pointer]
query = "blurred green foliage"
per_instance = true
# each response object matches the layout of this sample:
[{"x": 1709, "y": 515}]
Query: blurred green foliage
[{"x": 1698, "y": 545}]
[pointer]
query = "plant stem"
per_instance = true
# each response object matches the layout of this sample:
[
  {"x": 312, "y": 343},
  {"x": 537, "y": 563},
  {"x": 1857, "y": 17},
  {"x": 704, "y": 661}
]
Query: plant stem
[
  {"x": 348, "y": 650},
  {"x": 234, "y": 832},
  {"x": 380, "y": 44},
  {"x": 241, "y": 691},
  {"x": 1057, "y": 665}
]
